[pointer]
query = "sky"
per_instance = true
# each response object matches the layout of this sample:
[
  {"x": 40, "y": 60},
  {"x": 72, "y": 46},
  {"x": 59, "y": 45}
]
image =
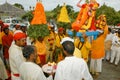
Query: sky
[{"x": 51, "y": 4}]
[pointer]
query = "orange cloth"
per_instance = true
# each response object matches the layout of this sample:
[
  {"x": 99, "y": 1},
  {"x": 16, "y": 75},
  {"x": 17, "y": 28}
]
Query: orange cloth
[
  {"x": 19, "y": 35},
  {"x": 0, "y": 37},
  {"x": 81, "y": 18},
  {"x": 98, "y": 45},
  {"x": 39, "y": 15},
  {"x": 6, "y": 42},
  {"x": 41, "y": 47}
]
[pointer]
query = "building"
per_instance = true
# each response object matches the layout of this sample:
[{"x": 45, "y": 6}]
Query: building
[{"x": 7, "y": 10}]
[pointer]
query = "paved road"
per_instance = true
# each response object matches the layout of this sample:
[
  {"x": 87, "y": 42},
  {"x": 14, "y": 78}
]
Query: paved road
[{"x": 109, "y": 72}]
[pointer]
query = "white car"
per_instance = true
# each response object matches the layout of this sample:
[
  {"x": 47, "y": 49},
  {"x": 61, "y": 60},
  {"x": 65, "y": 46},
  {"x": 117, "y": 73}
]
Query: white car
[{"x": 11, "y": 22}]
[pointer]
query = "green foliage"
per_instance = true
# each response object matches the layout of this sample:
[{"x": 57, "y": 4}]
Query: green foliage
[
  {"x": 113, "y": 17},
  {"x": 28, "y": 16},
  {"x": 50, "y": 15},
  {"x": 64, "y": 25},
  {"x": 36, "y": 31},
  {"x": 19, "y": 6},
  {"x": 87, "y": 1}
]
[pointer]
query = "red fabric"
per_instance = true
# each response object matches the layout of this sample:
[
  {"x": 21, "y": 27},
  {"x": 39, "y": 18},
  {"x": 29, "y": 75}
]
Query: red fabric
[
  {"x": 75, "y": 25},
  {"x": 93, "y": 27},
  {"x": 9, "y": 75},
  {"x": 19, "y": 35},
  {"x": 91, "y": 5},
  {"x": 5, "y": 26},
  {"x": 16, "y": 75},
  {"x": 6, "y": 41},
  {"x": 42, "y": 59},
  {"x": 1, "y": 22},
  {"x": 84, "y": 5},
  {"x": 60, "y": 29}
]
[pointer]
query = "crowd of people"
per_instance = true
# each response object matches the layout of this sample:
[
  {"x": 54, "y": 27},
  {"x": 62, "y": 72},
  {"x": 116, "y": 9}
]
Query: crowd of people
[{"x": 22, "y": 57}]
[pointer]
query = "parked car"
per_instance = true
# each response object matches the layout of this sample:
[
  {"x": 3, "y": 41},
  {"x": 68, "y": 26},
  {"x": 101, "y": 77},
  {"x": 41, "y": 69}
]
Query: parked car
[{"x": 11, "y": 22}]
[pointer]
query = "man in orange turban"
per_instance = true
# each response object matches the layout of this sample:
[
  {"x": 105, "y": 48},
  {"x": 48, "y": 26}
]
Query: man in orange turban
[{"x": 15, "y": 54}]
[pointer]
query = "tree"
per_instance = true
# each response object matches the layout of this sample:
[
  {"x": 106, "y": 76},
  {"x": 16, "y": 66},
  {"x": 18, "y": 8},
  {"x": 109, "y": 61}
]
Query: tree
[
  {"x": 28, "y": 16},
  {"x": 112, "y": 16},
  {"x": 19, "y": 6}
]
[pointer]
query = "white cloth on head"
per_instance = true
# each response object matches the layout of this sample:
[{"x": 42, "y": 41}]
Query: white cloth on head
[
  {"x": 72, "y": 68},
  {"x": 66, "y": 39},
  {"x": 15, "y": 59},
  {"x": 31, "y": 71}
]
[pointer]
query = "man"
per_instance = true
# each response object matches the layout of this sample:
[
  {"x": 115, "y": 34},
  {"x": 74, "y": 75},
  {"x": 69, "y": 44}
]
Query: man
[
  {"x": 98, "y": 47},
  {"x": 41, "y": 50},
  {"x": 15, "y": 54},
  {"x": 115, "y": 49},
  {"x": 29, "y": 70},
  {"x": 108, "y": 44},
  {"x": 58, "y": 56},
  {"x": 71, "y": 68},
  {"x": 7, "y": 39}
]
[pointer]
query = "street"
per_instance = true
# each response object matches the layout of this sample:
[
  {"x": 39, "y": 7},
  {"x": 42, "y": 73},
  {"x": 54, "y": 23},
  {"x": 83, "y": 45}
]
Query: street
[{"x": 109, "y": 72}]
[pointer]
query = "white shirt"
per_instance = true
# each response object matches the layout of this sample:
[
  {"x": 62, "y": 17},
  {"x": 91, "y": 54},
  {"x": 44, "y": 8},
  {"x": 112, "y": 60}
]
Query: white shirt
[
  {"x": 15, "y": 58},
  {"x": 109, "y": 36},
  {"x": 31, "y": 71},
  {"x": 72, "y": 68},
  {"x": 115, "y": 42}
]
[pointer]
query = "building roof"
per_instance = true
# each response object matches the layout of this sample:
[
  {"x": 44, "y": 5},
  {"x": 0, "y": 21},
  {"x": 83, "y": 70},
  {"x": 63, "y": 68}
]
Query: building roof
[{"x": 10, "y": 10}]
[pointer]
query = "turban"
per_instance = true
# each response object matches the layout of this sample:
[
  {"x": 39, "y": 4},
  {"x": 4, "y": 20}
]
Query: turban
[
  {"x": 5, "y": 26},
  {"x": 1, "y": 22},
  {"x": 19, "y": 35},
  {"x": 60, "y": 29},
  {"x": 66, "y": 39}
]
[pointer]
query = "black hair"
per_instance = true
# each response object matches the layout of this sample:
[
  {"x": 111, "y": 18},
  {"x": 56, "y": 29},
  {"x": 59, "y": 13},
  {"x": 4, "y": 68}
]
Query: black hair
[
  {"x": 28, "y": 50},
  {"x": 5, "y": 29},
  {"x": 109, "y": 29},
  {"x": 118, "y": 31},
  {"x": 69, "y": 47}
]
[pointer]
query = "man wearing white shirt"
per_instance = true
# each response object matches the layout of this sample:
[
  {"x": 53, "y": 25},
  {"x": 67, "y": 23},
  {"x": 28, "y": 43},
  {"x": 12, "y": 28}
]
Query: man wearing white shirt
[
  {"x": 115, "y": 49},
  {"x": 71, "y": 68},
  {"x": 108, "y": 43},
  {"x": 29, "y": 70},
  {"x": 15, "y": 54}
]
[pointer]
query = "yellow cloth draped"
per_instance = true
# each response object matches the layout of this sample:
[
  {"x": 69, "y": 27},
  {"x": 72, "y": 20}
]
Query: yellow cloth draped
[
  {"x": 41, "y": 47},
  {"x": 85, "y": 48},
  {"x": 58, "y": 39},
  {"x": 77, "y": 53}
]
